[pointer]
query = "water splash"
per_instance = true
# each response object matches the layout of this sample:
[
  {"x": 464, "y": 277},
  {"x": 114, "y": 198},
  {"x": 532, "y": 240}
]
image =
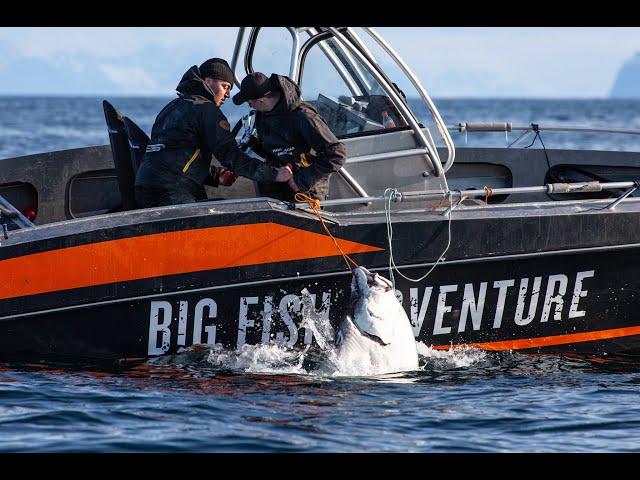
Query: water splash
[
  {"x": 319, "y": 324},
  {"x": 460, "y": 357},
  {"x": 279, "y": 359},
  {"x": 271, "y": 358},
  {"x": 320, "y": 359}
]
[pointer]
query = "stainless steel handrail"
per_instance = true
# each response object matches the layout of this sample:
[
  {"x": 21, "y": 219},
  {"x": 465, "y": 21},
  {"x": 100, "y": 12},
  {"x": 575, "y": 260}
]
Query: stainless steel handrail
[
  {"x": 432, "y": 156},
  {"x": 248, "y": 61},
  {"x": 387, "y": 155},
  {"x": 493, "y": 127},
  {"x": 295, "y": 50},
  {"x": 430, "y": 151},
  {"x": 332, "y": 57},
  {"x": 11, "y": 212},
  {"x": 423, "y": 93},
  {"x": 353, "y": 183},
  {"x": 550, "y": 188},
  {"x": 293, "y": 72},
  {"x": 507, "y": 126},
  {"x": 236, "y": 54}
]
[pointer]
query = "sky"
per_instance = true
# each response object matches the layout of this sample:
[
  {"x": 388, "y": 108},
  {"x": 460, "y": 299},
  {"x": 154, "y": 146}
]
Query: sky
[{"x": 451, "y": 62}]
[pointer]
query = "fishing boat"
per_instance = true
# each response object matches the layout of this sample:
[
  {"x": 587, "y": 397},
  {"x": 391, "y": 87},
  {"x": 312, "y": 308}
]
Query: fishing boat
[{"x": 498, "y": 249}]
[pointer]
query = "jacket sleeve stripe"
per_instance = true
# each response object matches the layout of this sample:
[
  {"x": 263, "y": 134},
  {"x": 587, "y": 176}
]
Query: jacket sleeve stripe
[{"x": 193, "y": 157}]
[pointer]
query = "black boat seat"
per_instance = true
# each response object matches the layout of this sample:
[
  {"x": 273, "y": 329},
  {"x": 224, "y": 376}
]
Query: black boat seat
[
  {"x": 138, "y": 141},
  {"x": 121, "y": 154}
]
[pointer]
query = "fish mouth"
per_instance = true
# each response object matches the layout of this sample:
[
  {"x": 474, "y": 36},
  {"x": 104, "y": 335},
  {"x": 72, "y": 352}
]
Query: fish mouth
[
  {"x": 378, "y": 340},
  {"x": 363, "y": 279},
  {"x": 373, "y": 338},
  {"x": 375, "y": 279},
  {"x": 380, "y": 280}
]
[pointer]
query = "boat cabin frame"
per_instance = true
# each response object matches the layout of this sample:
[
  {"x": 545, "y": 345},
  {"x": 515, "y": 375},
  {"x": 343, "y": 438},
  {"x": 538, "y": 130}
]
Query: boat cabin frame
[{"x": 349, "y": 55}]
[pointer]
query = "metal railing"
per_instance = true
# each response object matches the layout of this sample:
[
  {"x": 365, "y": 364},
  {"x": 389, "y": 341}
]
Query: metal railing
[
  {"x": 486, "y": 127},
  {"x": 550, "y": 188},
  {"x": 10, "y": 212},
  {"x": 424, "y": 138},
  {"x": 451, "y": 151},
  {"x": 432, "y": 157}
]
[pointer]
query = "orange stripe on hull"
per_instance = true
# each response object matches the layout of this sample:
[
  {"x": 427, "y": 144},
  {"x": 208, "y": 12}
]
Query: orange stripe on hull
[
  {"x": 526, "y": 343},
  {"x": 162, "y": 254}
]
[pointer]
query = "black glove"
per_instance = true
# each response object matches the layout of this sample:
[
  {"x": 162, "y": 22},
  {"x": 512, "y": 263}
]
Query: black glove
[
  {"x": 251, "y": 143},
  {"x": 213, "y": 179}
]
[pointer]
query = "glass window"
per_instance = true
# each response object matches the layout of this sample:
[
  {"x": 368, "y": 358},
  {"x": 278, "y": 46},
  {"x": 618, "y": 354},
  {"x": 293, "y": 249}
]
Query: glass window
[
  {"x": 346, "y": 95},
  {"x": 395, "y": 74},
  {"x": 271, "y": 54}
]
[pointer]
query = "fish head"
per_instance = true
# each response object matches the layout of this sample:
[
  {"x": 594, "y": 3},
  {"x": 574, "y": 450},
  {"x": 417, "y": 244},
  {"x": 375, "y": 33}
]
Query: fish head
[{"x": 364, "y": 283}]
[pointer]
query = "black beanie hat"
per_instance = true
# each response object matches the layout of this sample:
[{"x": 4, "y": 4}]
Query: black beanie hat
[{"x": 218, "y": 69}]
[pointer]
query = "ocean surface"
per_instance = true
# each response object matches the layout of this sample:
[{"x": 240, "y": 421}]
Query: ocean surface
[
  {"x": 40, "y": 124},
  {"x": 269, "y": 399}
]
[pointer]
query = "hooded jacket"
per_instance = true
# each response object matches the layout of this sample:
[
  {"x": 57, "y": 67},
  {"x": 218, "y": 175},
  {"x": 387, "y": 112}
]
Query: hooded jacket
[
  {"x": 185, "y": 134},
  {"x": 293, "y": 132}
]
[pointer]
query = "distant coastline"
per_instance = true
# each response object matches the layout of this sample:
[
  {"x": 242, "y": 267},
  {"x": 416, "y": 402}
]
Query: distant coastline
[{"x": 627, "y": 82}]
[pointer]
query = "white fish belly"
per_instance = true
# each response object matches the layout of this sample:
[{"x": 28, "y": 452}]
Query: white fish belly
[{"x": 359, "y": 355}]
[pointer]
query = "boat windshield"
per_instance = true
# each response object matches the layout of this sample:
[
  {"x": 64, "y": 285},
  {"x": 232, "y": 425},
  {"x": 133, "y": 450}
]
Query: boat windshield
[
  {"x": 349, "y": 86},
  {"x": 422, "y": 111},
  {"x": 344, "y": 92}
]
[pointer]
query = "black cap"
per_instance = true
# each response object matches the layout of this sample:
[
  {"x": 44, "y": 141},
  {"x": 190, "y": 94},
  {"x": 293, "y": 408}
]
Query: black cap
[
  {"x": 218, "y": 69},
  {"x": 253, "y": 86}
]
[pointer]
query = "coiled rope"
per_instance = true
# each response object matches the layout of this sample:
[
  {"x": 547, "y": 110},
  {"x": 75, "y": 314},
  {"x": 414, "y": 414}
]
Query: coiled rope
[
  {"x": 392, "y": 195},
  {"x": 315, "y": 206}
]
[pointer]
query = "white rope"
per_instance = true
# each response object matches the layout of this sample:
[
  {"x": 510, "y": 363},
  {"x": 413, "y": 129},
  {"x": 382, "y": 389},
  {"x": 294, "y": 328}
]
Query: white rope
[{"x": 393, "y": 193}]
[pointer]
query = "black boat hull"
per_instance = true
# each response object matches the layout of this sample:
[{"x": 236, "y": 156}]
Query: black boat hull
[{"x": 551, "y": 282}]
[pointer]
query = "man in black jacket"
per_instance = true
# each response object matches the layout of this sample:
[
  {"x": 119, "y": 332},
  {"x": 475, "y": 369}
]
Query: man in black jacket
[
  {"x": 291, "y": 132},
  {"x": 186, "y": 133}
]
